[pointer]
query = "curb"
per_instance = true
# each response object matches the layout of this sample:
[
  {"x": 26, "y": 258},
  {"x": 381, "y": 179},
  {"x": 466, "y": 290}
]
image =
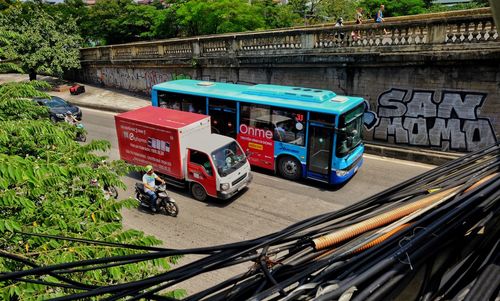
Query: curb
[
  {"x": 95, "y": 106},
  {"x": 415, "y": 155}
]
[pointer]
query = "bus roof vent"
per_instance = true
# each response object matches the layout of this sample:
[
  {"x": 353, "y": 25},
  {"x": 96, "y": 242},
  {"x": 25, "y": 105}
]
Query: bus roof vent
[
  {"x": 294, "y": 93},
  {"x": 339, "y": 98},
  {"x": 205, "y": 84}
]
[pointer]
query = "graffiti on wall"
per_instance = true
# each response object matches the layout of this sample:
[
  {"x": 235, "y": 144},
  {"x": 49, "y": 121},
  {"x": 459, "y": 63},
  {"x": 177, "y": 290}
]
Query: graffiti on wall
[
  {"x": 131, "y": 79},
  {"x": 418, "y": 119}
]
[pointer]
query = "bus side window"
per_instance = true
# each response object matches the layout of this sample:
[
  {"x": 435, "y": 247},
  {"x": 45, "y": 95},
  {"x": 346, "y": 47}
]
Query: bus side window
[
  {"x": 182, "y": 102},
  {"x": 288, "y": 126},
  {"x": 256, "y": 116}
]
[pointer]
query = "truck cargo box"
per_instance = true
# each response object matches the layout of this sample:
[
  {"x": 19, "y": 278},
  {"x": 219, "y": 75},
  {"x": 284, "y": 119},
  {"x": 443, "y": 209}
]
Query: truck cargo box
[{"x": 159, "y": 136}]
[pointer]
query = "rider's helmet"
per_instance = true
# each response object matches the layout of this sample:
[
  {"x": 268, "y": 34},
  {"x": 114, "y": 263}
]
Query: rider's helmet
[
  {"x": 69, "y": 113},
  {"x": 149, "y": 168}
]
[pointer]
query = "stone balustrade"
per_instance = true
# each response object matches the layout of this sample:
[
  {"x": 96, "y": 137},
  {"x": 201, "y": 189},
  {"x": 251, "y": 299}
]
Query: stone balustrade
[{"x": 411, "y": 33}]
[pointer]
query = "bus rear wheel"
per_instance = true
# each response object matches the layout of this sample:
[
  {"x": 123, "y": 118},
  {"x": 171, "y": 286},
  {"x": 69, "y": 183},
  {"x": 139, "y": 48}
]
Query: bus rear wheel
[
  {"x": 289, "y": 168},
  {"x": 198, "y": 192}
]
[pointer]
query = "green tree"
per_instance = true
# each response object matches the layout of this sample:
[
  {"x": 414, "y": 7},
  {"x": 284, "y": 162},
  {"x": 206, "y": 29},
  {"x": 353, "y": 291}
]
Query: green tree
[
  {"x": 333, "y": 9},
  {"x": 276, "y": 15},
  {"x": 394, "y": 8},
  {"x": 44, "y": 189},
  {"x": 121, "y": 21},
  {"x": 199, "y": 17},
  {"x": 441, "y": 8},
  {"x": 41, "y": 43},
  {"x": 77, "y": 10}
]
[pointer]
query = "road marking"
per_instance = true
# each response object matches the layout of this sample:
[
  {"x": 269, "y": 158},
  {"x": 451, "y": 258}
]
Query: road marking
[{"x": 397, "y": 161}]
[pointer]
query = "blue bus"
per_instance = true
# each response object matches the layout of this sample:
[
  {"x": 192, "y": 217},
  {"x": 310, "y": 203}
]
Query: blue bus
[{"x": 296, "y": 132}]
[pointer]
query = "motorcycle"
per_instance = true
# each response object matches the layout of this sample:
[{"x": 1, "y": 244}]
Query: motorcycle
[
  {"x": 166, "y": 204},
  {"x": 81, "y": 136},
  {"x": 108, "y": 191}
]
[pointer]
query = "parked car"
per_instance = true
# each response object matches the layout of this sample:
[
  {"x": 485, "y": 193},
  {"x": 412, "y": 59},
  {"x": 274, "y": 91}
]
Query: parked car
[
  {"x": 77, "y": 89},
  {"x": 58, "y": 108}
]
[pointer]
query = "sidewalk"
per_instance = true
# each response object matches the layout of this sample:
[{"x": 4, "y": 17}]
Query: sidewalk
[
  {"x": 113, "y": 100},
  {"x": 94, "y": 97}
]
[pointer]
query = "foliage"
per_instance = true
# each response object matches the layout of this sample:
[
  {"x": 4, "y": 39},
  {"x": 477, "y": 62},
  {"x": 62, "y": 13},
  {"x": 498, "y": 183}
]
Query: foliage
[
  {"x": 7, "y": 52},
  {"x": 41, "y": 43},
  {"x": 276, "y": 15},
  {"x": 394, "y": 8},
  {"x": 44, "y": 188},
  {"x": 119, "y": 21},
  {"x": 332, "y": 10},
  {"x": 200, "y": 17},
  {"x": 436, "y": 8}
]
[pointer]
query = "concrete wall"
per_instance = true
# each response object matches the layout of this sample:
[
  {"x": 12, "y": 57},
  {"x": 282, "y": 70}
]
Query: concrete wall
[{"x": 431, "y": 83}]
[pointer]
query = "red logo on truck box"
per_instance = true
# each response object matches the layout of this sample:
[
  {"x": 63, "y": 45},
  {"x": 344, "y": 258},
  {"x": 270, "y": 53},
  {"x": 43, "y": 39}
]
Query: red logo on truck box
[{"x": 260, "y": 144}]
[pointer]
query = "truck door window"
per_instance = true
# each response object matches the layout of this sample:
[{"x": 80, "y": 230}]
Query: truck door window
[{"x": 202, "y": 159}]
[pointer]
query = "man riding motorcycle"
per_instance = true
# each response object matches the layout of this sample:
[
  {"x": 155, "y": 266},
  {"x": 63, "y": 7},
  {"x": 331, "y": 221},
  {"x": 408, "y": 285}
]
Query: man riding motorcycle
[
  {"x": 149, "y": 181},
  {"x": 69, "y": 118}
]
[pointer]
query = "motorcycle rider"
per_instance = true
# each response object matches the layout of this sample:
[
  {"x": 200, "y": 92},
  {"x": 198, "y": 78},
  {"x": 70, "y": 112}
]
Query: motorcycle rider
[
  {"x": 69, "y": 118},
  {"x": 149, "y": 181}
]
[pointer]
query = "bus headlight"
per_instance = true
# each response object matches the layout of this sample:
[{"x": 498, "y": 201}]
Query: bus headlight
[
  {"x": 341, "y": 172},
  {"x": 224, "y": 186}
]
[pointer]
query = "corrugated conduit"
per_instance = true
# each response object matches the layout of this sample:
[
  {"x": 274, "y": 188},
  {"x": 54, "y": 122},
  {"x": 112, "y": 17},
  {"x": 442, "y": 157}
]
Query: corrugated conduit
[{"x": 380, "y": 220}]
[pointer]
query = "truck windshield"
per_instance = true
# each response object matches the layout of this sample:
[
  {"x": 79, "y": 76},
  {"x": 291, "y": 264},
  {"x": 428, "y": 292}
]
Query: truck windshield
[
  {"x": 228, "y": 158},
  {"x": 349, "y": 133}
]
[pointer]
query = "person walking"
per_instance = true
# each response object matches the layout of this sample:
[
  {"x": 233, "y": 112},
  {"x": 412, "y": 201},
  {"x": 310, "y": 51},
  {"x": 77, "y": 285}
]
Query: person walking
[
  {"x": 339, "y": 35},
  {"x": 356, "y": 34},
  {"x": 379, "y": 18}
]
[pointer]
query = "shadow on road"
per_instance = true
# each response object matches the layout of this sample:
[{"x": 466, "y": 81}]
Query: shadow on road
[{"x": 324, "y": 187}]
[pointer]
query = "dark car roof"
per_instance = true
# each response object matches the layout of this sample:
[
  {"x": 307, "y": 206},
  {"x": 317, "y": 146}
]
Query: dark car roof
[{"x": 57, "y": 109}]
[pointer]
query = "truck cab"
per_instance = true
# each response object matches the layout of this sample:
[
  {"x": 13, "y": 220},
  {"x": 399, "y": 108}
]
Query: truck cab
[{"x": 217, "y": 167}]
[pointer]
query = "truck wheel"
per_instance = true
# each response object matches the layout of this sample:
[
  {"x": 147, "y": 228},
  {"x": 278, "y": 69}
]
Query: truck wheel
[
  {"x": 198, "y": 192},
  {"x": 289, "y": 168}
]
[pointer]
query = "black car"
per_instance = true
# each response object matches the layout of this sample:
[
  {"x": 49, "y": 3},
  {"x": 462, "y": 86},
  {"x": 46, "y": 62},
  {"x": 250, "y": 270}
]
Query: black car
[{"x": 58, "y": 108}]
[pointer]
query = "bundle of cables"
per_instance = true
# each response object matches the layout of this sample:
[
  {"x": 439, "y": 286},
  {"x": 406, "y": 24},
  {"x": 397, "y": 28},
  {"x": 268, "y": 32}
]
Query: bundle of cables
[{"x": 433, "y": 237}]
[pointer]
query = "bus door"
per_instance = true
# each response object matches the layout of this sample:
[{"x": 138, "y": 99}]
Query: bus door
[
  {"x": 223, "y": 115},
  {"x": 319, "y": 146}
]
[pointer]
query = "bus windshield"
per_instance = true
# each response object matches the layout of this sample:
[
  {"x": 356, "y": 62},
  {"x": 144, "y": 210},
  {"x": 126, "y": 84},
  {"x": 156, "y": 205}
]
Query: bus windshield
[
  {"x": 349, "y": 133},
  {"x": 228, "y": 158}
]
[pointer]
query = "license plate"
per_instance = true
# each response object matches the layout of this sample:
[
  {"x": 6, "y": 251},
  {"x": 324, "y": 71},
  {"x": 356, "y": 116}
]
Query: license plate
[{"x": 241, "y": 187}]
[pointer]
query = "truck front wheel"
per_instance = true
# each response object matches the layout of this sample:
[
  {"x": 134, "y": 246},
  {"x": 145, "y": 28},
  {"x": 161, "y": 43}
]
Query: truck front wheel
[
  {"x": 198, "y": 192},
  {"x": 289, "y": 168}
]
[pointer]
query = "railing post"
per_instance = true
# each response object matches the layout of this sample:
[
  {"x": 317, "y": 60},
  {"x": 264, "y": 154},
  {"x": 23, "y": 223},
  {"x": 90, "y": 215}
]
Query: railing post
[
  {"x": 307, "y": 40},
  {"x": 111, "y": 53},
  {"x": 196, "y": 48},
  {"x": 233, "y": 46},
  {"x": 437, "y": 33}
]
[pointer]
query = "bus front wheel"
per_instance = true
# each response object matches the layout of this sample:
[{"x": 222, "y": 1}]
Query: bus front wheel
[
  {"x": 289, "y": 168},
  {"x": 198, "y": 192}
]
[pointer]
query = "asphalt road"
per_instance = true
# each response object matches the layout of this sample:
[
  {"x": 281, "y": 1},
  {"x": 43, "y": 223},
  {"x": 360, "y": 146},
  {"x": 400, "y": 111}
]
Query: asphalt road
[{"x": 270, "y": 204}]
